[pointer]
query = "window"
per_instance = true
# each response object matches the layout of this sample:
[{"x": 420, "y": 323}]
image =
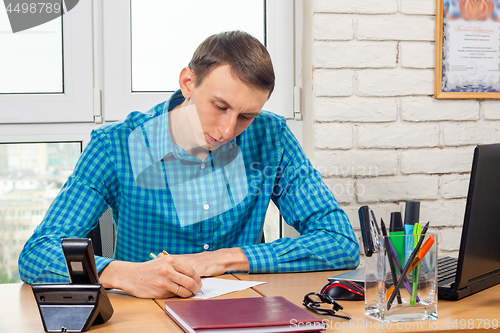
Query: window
[
  {"x": 159, "y": 51},
  {"x": 100, "y": 47},
  {"x": 130, "y": 87},
  {"x": 46, "y": 72},
  {"x": 36, "y": 172},
  {"x": 34, "y": 57}
]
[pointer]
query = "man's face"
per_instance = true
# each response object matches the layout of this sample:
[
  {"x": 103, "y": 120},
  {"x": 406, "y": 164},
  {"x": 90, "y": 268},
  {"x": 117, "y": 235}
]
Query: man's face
[{"x": 226, "y": 106}]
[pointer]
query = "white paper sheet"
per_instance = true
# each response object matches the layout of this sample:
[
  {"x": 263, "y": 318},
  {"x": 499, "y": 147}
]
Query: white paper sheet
[{"x": 213, "y": 287}]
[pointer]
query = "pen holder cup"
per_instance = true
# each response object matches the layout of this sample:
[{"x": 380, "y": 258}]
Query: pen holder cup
[{"x": 379, "y": 280}]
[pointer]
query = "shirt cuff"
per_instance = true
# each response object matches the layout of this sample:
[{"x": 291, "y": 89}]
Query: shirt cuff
[
  {"x": 101, "y": 263},
  {"x": 261, "y": 258}
]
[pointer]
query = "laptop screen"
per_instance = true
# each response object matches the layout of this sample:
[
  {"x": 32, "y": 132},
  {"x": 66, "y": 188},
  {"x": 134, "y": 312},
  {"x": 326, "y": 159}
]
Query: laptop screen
[{"x": 479, "y": 256}]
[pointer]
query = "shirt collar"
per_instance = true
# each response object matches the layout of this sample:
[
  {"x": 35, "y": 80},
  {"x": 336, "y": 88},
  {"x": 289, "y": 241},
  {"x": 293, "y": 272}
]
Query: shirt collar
[
  {"x": 152, "y": 141},
  {"x": 171, "y": 147}
]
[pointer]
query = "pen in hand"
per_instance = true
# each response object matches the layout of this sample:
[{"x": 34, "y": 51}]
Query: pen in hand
[{"x": 154, "y": 256}]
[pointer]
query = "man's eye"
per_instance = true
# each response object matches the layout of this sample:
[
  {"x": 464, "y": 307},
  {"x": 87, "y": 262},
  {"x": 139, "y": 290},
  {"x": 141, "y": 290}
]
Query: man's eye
[{"x": 220, "y": 107}]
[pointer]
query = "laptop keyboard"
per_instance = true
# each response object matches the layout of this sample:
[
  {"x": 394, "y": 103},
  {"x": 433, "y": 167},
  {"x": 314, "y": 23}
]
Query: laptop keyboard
[{"x": 447, "y": 268}]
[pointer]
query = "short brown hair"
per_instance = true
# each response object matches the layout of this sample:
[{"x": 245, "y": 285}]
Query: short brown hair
[{"x": 245, "y": 55}]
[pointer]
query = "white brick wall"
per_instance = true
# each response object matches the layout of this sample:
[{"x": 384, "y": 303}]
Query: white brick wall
[
  {"x": 443, "y": 213},
  {"x": 454, "y": 186},
  {"x": 333, "y": 82},
  {"x": 331, "y": 163},
  {"x": 398, "y": 136},
  {"x": 434, "y": 161},
  {"x": 342, "y": 188},
  {"x": 333, "y": 136},
  {"x": 425, "y": 7},
  {"x": 384, "y": 189},
  {"x": 375, "y": 27},
  {"x": 395, "y": 82},
  {"x": 449, "y": 240},
  {"x": 456, "y": 134},
  {"x": 354, "y": 54},
  {"x": 427, "y": 108},
  {"x": 333, "y": 27},
  {"x": 491, "y": 110},
  {"x": 417, "y": 54},
  {"x": 355, "y": 109},
  {"x": 356, "y": 6},
  {"x": 380, "y": 136}
]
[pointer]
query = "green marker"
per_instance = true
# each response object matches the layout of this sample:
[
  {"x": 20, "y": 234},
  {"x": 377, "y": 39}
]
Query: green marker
[
  {"x": 417, "y": 230},
  {"x": 396, "y": 229}
]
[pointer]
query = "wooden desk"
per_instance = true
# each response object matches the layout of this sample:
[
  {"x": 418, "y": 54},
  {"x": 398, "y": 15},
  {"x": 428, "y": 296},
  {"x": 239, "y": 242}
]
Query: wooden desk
[
  {"x": 293, "y": 286},
  {"x": 19, "y": 311}
]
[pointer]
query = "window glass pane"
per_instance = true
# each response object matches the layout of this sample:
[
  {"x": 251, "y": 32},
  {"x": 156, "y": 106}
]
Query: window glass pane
[
  {"x": 31, "y": 175},
  {"x": 31, "y": 61},
  {"x": 166, "y": 33}
]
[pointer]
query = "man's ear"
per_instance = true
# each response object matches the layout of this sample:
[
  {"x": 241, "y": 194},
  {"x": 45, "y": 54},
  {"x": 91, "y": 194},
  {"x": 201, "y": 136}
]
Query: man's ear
[{"x": 186, "y": 82}]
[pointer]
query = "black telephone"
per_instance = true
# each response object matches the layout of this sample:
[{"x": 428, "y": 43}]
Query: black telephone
[
  {"x": 79, "y": 256},
  {"x": 369, "y": 230},
  {"x": 76, "y": 306}
]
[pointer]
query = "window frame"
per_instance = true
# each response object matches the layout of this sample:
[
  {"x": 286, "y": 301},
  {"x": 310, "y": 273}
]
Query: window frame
[
  {"x": 119, "y": 100},
  {"x": 40, "y": 133},
  {"x": 76, "y": 103}
]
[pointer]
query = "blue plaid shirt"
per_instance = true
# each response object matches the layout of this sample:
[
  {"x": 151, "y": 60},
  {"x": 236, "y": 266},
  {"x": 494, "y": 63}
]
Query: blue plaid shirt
[{"x": 166, "y": 199}]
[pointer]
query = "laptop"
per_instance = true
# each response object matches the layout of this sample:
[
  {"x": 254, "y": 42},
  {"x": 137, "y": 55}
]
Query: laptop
[{"x": 478, "y": 264}]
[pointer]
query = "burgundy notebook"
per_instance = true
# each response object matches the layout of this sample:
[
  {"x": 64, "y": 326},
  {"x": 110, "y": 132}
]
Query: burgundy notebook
[{"x": 258, "y": 314}]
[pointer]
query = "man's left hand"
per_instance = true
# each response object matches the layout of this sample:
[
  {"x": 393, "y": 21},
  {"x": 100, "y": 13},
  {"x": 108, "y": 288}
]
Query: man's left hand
[{"x": 213, "y": 263}]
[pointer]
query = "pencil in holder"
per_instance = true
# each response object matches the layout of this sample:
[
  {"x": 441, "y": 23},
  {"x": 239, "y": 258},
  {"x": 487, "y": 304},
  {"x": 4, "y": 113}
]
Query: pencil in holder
[{"x": 388, "y": 299}]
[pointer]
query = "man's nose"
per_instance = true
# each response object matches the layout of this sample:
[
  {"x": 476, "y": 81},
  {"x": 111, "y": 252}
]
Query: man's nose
[{"x": 227, "y": 127}]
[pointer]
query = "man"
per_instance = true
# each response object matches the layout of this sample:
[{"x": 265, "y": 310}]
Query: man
[{"x": 194, "y": 176}]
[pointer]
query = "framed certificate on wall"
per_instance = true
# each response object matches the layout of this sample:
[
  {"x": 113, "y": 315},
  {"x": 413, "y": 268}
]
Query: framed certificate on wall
[{"x": 467, "y": 49}]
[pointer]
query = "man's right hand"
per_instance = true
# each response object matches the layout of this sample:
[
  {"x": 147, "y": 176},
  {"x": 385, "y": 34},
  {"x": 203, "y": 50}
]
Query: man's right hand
[{"x": 158, "y": 278}]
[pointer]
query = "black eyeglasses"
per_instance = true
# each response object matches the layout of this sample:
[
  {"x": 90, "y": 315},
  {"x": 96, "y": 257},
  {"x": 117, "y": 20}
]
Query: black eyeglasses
[{"x": 313, "y": 302}]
